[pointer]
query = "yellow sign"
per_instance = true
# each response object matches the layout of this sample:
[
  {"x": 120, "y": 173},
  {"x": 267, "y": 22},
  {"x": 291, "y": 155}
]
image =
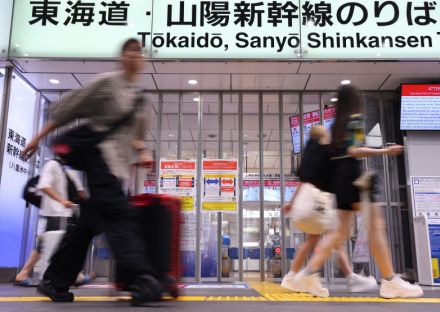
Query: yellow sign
[
  {"x": 187, "y": 203},
  {"x": 435, "y": 268},
  {"x": 228, "y": 206}
]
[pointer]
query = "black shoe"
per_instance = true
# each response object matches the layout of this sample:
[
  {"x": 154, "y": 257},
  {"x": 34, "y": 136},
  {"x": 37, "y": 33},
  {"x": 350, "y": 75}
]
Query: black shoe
[
  {"x": 145, "y": 289},
  {"x": 47, "y": 289},
  {"x": 169, "y": 285}
]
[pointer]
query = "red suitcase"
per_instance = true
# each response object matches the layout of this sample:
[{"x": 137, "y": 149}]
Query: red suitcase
[
  {"x": 157, "y": 218},
  {"x": 162, "y": 217}
]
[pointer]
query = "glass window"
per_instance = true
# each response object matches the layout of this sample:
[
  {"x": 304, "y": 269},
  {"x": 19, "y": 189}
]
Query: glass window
[
  {"x": 272, "y": 185},
  {"x": 251, "y": 187},
  {"x": 230, "y": 262},
  {"x": 170, "y": 123},
  {"x": 210, "y": 144}
]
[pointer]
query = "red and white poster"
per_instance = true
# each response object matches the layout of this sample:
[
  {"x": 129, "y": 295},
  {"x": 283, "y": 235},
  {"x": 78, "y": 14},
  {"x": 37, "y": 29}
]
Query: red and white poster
[
  {"x": 296, "y": 135},
  {"x": 309, "y": 120},
  {"x": 178, "y": 178},
  {"x": 220, "y": 191}
]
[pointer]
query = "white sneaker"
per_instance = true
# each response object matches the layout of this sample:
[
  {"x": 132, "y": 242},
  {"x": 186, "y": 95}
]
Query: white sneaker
[
  {"x": 398, "y": 288},
  {"x": 309, "y": 284},
  {"x": 359, "y": 283},
  {"x": 287, "y": 282}
]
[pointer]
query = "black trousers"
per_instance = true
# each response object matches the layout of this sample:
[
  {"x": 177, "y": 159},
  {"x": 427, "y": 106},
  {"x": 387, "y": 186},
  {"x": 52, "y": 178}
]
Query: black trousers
[{"x": 107, "y": 211}]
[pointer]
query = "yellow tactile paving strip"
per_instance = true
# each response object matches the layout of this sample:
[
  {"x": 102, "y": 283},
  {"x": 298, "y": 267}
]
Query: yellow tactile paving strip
[
  {"x": 269, "y": 292},
  {"x": 274, "y": 292}
]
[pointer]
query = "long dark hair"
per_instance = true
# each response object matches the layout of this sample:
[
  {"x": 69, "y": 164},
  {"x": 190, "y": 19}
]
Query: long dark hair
[{"x": 349, "y": 103}]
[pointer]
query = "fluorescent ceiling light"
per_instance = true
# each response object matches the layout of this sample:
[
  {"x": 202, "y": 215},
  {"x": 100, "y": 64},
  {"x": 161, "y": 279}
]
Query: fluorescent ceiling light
[
  {"x": 54, "y": 81},
  {"x": 345, "y": 82},
  {"x": 193, "y": 82},
  {"x": 196, "y": 99},
  {"x": 334, "y": 100}
]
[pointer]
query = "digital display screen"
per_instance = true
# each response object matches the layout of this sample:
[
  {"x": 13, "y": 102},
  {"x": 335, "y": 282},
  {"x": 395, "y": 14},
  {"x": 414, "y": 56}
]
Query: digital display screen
[{"x": 420, "y": 107}]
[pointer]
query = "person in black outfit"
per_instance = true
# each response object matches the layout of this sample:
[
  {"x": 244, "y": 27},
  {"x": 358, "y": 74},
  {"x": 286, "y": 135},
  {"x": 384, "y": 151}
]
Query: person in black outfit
[
  {"x": 101, "y": 104},
  {"x": 315, "y": 169}
]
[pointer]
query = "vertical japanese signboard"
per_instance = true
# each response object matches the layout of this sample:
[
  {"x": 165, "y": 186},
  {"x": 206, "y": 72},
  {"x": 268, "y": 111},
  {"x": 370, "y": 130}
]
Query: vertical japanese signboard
[
  {"x": 329, "y": 117},
  {"x": 219, "y": 189},
  {"x": 296, "y": 134},
  {"x": 15, "y": 170},
  {"x": 178, "y": 178}
]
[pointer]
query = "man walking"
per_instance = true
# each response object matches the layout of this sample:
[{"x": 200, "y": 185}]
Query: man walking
[{"x": 101, "y": 104}]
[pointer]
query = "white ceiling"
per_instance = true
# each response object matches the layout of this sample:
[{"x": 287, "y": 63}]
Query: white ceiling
[{"x": 173, "y": 75}]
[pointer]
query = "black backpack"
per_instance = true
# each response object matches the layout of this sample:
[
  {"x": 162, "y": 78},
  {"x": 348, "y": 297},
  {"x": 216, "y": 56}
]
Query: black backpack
[
  {"x": 32, "y": 196},
  {"x": 30, "y": 192}
]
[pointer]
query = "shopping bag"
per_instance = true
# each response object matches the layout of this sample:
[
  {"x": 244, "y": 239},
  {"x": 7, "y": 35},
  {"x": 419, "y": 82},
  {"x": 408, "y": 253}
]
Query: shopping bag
[{"x": 314, "y": 210}]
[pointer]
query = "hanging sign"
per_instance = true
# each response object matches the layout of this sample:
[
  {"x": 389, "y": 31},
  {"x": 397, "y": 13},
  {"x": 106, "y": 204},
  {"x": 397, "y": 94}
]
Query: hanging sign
[
  {"x": 178, "y": 178},
  {"x": 296, "y": 135},
  {"x": 220, "y": 192},
  {"x": 329, "y": 117},
  {"x": 230, "y": 29}
]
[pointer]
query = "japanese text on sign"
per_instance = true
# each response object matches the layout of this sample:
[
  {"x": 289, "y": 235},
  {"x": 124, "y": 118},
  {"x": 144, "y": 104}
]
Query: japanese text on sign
[{"x": 238, "y": 28}]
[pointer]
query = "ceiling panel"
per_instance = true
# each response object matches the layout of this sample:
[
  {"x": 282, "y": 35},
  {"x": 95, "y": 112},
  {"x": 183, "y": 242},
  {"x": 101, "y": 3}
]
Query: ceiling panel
[
  {"x": 41, "y": 81},
  {"x": 332, "y": 81},
  {"x": 227, "y": 67},
  {"x": 84, "y": 67},
  {"x": 145, "y": 80},
  {"x": 395, "y": 80},
  {"x": 180, "y": 82},
  {"x": 269, "y": 82}
]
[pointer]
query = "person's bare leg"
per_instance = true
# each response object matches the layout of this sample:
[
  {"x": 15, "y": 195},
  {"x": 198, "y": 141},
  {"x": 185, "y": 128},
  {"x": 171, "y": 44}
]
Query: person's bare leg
[
  {"x": 29, "y": 265},
  {"x": 328, "y": 243},
  {"x": 343, "y": 262},
  {"x": 303, "y": 252},
  {"x": 379, "y": 244}
]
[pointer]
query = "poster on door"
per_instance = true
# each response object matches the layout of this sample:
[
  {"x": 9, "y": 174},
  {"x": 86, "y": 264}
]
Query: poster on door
[
  {"x": 309, "y": 120},
  {"x": 150, "y": 183},
  {"x": 329, "y": 117},
  {"x": 220, "y": 192},
  {"x": 178, "y": 178}
]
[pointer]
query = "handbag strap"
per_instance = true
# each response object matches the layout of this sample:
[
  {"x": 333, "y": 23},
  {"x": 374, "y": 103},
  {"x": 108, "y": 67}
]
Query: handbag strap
[{"x": 138, "y": 102}]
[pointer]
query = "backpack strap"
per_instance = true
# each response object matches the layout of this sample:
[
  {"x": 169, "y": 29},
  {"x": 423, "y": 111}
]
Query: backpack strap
[{"x": 72, "y": 191}]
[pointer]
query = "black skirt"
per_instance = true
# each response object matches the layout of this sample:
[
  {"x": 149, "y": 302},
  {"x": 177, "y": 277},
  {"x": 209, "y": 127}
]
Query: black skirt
[{"x": 344, "y": 172}]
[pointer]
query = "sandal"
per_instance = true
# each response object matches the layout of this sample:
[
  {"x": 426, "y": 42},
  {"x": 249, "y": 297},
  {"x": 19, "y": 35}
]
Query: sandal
[
  {"x": 88, "y": 278},
  {"x": 27, "y": 282}
]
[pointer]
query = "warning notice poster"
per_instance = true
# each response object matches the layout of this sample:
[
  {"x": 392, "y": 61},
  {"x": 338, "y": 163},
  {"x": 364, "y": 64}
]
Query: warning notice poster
[
  {"x": 220, "y": 179},
  {"x": 178, "y": 178}
]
